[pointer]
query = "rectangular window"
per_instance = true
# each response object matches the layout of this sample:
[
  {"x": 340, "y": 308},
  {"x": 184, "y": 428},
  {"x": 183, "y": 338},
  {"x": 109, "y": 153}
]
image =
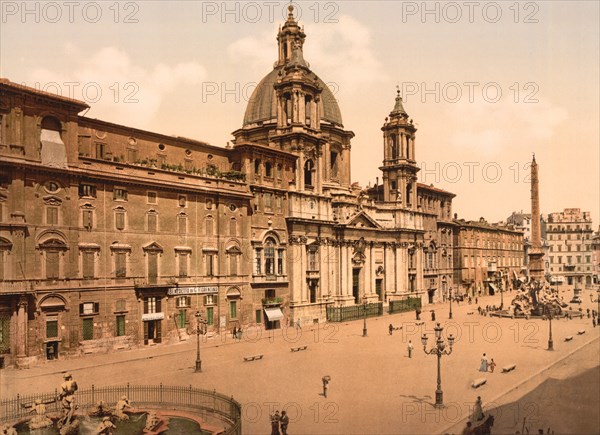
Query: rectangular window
[
  {"x": 152, "y": 267},
  {"x": 52, "y": 215},
  {"x": 52, "y": 264},
  {"x": 87, "y": 191},
  {"x": 280, "y": 262},
  {"x": 209, "y": 300},
  {"x": 88, "y": 329},
  {"x": 120, "y": 265},
  {"x": 312, "y": 259},
  {"x": 120, "y": 219},
  {"x": 278, "y": 204},
  {"x": 181, "y": 318},
  {"x": 151, "y": 197},
  {"x": 258, "y": 261},
  {"x": 152, "y": 219},
  {"x": 270, "y": 260},
  {"x": 183, "y": 265},
  {"x": 151, "y": 305},
  {"x": 132, "y": 155},
  {"x": 120, "y": 332},
  {"x": 256, "y": 202},
  {"x": 51, "y": 328},
  {"x": 258, "y": 316},
  {"x": 233, "y": 228},
  {"x": 89, "y": 308},
  {"x": 88, "y": 264},
  {"x": 233, "y": 309},
  {"x": 210, "y": 315},
  {"x": 100, "y": 150},
  {"x": 233, "y": 264},
  {"x": 268, "y": 202},
  {"x": 87, "y": 218},
  {"x": 210, "y": 265},
  {"x": 182, "y": 200},
  {"x": 182, "y": 224},
  {"x": 120, "y": 194},
  {"x": 121, "y": 305},
  {"x": 183, "y": 302}
]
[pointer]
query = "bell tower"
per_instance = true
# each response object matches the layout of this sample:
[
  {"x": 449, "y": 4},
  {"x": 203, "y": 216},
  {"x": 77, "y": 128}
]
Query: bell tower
[
  {"x": 399, "y": 161},
  {"x": 289, "y": 37}
]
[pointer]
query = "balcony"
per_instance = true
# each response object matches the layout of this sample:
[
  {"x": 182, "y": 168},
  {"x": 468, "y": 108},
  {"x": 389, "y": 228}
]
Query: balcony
[
  {"x": 272, "y": 301},
  {"x": 269, "y": 279},
  {"x": 569, "y": 267}
]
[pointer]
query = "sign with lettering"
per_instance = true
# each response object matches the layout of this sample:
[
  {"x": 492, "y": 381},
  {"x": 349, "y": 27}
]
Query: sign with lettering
[
  {"x": 175, "y": 291},
  {"x": 153, "y": 316}
]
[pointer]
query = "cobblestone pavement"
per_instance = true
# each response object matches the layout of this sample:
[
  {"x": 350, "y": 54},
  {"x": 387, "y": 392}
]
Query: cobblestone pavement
[{"x": 375, "y": 388}]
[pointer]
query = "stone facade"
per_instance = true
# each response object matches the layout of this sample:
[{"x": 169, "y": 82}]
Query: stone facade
[
  {"x": 570, "y": 238},
  {"x": 488, "y": 257},
  {"x": 112, "y": 237}
]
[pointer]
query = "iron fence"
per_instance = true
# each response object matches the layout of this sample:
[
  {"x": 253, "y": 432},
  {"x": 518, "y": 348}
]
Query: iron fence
[
  {"x": 401, "y": 306},
  {"x": 354, "y": 312},
  {"x": 202, "y": 402}
]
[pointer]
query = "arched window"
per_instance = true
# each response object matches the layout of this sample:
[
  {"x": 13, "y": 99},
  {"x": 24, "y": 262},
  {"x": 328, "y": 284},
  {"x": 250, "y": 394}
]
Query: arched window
[
  {"x": 52, "y": 249},
  {"x": 268, "y": 169},
  {"x": 394, "y": 146},
  {"x": 270, "y": 257},
  {"x": 309, "y": 167},
  {"x": 5, "y": 248}
]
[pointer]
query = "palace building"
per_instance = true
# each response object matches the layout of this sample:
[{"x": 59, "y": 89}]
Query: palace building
[{"x": 113, "y": 237}]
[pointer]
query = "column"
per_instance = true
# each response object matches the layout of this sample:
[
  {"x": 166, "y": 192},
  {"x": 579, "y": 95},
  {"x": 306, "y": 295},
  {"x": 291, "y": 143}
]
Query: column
[
  {"x": 343, "y": 268},
  {"x": 22, "y": 327},
  {"x": 303, "y": 263},
  {"x": 297, "y": 273}
]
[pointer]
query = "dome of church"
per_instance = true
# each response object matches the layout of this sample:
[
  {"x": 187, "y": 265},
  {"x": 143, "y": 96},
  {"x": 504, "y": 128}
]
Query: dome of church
[{"x": 262, "y": 106}]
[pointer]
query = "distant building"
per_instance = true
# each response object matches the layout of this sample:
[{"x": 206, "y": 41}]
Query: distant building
[
  {"x": 569, "y": 236},
  {"x": 596, "y": 257},
  {"x": 487, "y": 256},
  {"x": 522, "y": 221}
]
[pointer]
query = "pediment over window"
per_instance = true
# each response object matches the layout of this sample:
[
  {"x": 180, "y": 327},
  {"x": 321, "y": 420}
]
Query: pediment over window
[
  {"x": 153, "y": 247},
  {"x": 363, "y": 220},
  {"x": 52, "y": 200}
]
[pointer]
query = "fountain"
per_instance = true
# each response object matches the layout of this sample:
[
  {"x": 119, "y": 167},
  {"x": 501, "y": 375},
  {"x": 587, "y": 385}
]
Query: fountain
[{"x": 190, "y": 411}]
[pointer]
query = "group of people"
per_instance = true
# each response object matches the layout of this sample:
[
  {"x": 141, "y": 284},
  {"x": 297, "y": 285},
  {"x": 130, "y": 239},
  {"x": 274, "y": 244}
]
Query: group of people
[
  {"x": 279, "y": 421},
  {"x": 487, "y": 365}
]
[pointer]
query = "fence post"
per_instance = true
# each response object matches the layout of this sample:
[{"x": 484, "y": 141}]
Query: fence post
[
  {"x": 93, "y": 395},
  {"x": 161, "y": 392}
]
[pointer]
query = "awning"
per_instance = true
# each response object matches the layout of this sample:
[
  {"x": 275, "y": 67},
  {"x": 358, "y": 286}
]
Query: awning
[
  {"x": 273, "y": 314},
  {"x": 493, "y": 287}
]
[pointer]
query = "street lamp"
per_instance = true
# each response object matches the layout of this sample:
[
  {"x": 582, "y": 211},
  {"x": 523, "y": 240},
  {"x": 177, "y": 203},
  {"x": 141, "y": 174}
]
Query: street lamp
[
  {"x": 450, "y": 293},
  {"x": 200, "y": 329},
  {"x": 499, "y": 281},
  {"x": 439, "y": 350},
  {"x": 365, "y": 318},
  {"x": 550, "y": 341}
]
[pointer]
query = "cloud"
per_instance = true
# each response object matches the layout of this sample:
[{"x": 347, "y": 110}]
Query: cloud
[
  {"x": 116, "y": 88},
  {"x": 504, "y": 127},
  {"x": 341, "y": 52}
]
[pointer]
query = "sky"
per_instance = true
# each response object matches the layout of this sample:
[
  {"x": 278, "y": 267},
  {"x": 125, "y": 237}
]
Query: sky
[{"x": 487, "y": 83}]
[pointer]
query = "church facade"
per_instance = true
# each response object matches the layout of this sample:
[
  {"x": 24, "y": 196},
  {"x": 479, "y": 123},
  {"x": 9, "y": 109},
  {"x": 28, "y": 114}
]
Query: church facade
[{"x": 113, "y": 237}]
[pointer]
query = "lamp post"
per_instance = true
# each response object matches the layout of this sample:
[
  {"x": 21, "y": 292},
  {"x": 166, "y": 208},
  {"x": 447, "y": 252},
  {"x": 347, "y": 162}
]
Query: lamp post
[
  {"x": 200, "y": 329},
  {"x": 550, "y": 341},
  {"x": 597, "y": 301},
  {"x": 365, "y": 316},
  {"x": 501, "y": 286},
  {"x": 450, "y": 293},
  {"x": 439, "y": 350}
]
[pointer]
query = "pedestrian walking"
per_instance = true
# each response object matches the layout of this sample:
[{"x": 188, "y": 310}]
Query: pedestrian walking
[
  {"x": 484, "y": 364},
  {"x": 433, "y": 315},
  {"x": 275, "y": 423},
  {"x": 478, "y": 410},
  {"x": 468, "y": 430},
  {"x": 284, "y": 421},
  {"x": 234, "y": 333},
  {"x": 492, "y": 365},
  {"x": 594, "y": 321},
  {"x": 476, "y": 300},
  {"x": 325, "y": 380},
  {"x": 298, "y": 325},
  {"x": 410, "y": 348},
  {"x": 391, "y": 328},
  {"x": 418, "y": 313},
  {"x": 239, "y": 334},
  {"x": 588, "y": 313}
]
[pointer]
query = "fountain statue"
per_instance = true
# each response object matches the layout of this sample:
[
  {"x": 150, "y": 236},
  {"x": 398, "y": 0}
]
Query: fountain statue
[
  {"x": 7, "y": 429},
  {"x": 40, "y": 420},
  {"x": 67, "y": 423},
  {"x": 105, "y": 427},
  {"x": 122, "y": 405}
]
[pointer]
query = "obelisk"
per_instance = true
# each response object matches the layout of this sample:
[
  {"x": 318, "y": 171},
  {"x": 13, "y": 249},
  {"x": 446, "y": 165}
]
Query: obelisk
[{"x": 536, "y": 252}]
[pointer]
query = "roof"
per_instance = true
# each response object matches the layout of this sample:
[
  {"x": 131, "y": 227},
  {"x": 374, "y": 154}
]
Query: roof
[
  {"x": 434, "y": 189},
  {"x": 262, "y": 106},
  {"x": 4, "y": 82}
]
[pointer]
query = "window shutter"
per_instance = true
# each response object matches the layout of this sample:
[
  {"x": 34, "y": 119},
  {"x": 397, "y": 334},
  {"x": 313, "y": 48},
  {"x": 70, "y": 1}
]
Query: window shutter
[
  {"x": 188, "y": 301},
  {"x": 146, "y": 312},
  {"x": 158, "y": 300},
  {"x": 80, "y": 309},
  {"x": 96, "y": 307},
  {"x": 158, "y": 326},
  {"x": 145, "y": 324}
]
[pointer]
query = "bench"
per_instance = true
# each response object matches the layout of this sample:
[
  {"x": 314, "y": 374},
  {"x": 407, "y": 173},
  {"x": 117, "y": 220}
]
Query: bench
[
  {"x": 581, "y": 332},
  {"x": 478, "y": 382},
  {"x": 569, "y": 338},
  {"x": 253, "y": 357},
  {"x": 299, "y": 348},
  {"x": 508, "y": 368}
]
